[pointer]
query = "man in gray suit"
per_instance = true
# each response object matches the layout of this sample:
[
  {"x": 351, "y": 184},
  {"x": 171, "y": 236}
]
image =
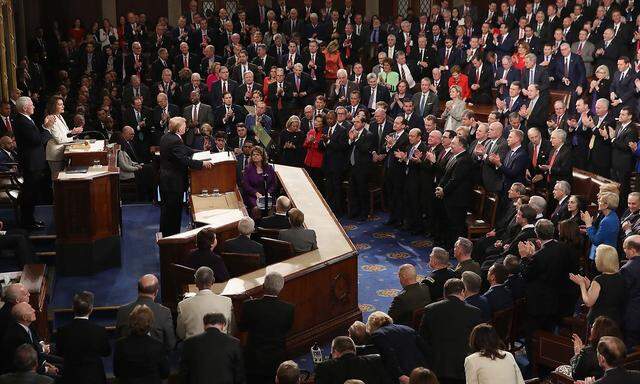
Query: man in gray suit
[
  {"x": 585, "y": 49},
  {"x": 243, "y": 243},
  {"x": 426, "y": 102},
  {"x": 196, "y": 114},
  {"x": 303, "y": 240},
  {"x": 491, "y": 178},
  {"x": 339, "y": 91},
  {"x": 162, "y": 329}
]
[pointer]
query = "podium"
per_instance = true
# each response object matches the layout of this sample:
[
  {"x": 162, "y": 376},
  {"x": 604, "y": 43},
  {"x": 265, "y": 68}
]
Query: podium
[
  {"x": 88, "y": 218},
  {"x": 86, "y": 152},
  {"x": 222, "y": 176}
]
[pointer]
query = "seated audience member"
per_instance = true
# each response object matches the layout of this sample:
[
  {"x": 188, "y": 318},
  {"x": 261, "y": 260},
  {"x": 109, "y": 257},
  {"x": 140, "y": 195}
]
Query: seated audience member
[
  {"x": 288, "y": 373},
  {"x": 204, "y": 256},
  {"x": 21, "y": 332},
  {"x": 13, "y": 294},
  {"x": 462, "y": 250},
  {"x": 192, "y": 309},
  {"x": 606, "y": 294},
  {"x": 606, "y": 230},
  {"x": 400, "y": 347},
  {"x": 8, "y": 154},
  {"x": 243, "y": 243},
  {"x": 575, "y": 206},
  {"x": 584, "y": 362},
  {"x": 472, "y": 286},
  {"x": 514, "y": 281},
  {"x": 17, "y": 241},
  {"x": 267, "y": 321},
  {"x": 139, "y": 357},
  {"x": 358, "y": 333},
  {"x": 629, "y": 220},
  {"x": 413, "y": 296},
  {"x": 257, "y": 175},
  {"x": 489, "y": 362},
  {"x": 302, "y": 239},
  {"x": 611, "y": 355},
  {"x": 219, "y": 139},
  {"x": 631, "y": 273},
  {"x": 25, "y": 362},
  {"x": 345, "y": 364},
  {"x": 539, "y": 204},
  {"x": 422, "y": 375},
  {"x": 445, "y": 328},
  {"x": 279, "y": 219},
  {"x": 82, "y": 344},
  {"x": 200, "y": 360},
  {"x": 498, "y": 294},
  {"x": 162, "y": 328},
  {"x": 440, "y": 272}
]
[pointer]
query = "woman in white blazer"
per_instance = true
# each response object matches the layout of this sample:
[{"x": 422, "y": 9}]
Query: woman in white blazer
[
  {"x": 60, "y": 132},
  {"x": 454, "y": 109},
  {"x": 489, "y": 363}
]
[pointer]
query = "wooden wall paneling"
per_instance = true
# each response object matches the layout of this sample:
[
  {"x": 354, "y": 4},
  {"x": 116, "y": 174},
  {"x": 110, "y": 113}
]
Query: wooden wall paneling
[{"x": 152, "y": 8}]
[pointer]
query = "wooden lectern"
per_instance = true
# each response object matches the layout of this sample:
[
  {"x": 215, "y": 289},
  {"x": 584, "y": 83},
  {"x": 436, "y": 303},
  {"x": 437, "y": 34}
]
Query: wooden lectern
[
  {"x": 222, "y": 176},
  {"x": 88, "y": 217},
  {"x": 87, "y": 152}
]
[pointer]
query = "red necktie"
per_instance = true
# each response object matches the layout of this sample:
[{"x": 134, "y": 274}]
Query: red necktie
[
  {"x": 446, "y": 58},
  {"x": 534, "y": 159},
  {"x": 185, "y": 61},
  {"x": 298, "y": 83},
  {"x": 7, "y": 124},
  {"x": 348, "y": 50},
  {"x": 551, "y": 161}
]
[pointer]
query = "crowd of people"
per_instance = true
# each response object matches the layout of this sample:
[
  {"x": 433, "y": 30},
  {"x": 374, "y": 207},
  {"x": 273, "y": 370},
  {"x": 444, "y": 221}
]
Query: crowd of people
[{"x": 370, "y": 101}]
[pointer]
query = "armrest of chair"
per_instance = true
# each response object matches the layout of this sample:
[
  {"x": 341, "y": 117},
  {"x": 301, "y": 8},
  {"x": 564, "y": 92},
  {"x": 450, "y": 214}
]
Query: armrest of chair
[
  {"x": 560, "y": 378},
  {"x": 240, "y": 263}
]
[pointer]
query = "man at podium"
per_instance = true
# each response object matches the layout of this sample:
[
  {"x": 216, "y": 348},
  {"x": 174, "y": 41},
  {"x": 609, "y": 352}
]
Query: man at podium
[{"x": 175, "y": 159}]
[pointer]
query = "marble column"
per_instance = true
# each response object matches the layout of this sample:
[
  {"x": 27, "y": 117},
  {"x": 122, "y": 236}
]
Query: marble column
[
  {"x": 11, "y": 43},
  {"x": 4, "y": 78}
]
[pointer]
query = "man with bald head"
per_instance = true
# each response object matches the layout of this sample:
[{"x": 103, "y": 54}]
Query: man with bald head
[
  {"x": 13, "y": 294},
  {"x": 20, "y": 332},
  {"x": 413, "y": 296},
  {"x": 162, "y": 328}
]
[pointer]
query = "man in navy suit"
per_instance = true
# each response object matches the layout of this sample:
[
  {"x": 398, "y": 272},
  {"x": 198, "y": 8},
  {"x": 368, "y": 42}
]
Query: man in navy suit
[
  {"x": 512, "y": 102},
  {"x": 498, "y": 295},
  {"x": 570, "y": 73},
  {"x": 535, "y": 74},
  {"x": 505, "y": 75},
  {"x": 622, "y": 86},
  {"x": 515, "y": 161},
  {"x": 505, "y": 42},
  {"x": 480, "y": 79}
]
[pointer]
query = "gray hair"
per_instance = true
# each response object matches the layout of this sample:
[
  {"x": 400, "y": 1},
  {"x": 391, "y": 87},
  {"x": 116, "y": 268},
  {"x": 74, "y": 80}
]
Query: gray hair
[
  {"x": 538, "y": 203},
  {"x": 603, "y": 101},
  {"x": 21, "y": 103},
  {"x": 466, "y": 246},
  {"x": 246, "y": 226},
  {"x": 564, "y": 186},
  {"x": 273, "y": 283},
  {"x": 531, "y": 56},
  {"x": 372, "y": 76},
  {"x": 440, "y": 255},
  {"x": 204, "y": 277},
  {"x": 472, "y": 282},
  {"x": 562, "y": 135}
]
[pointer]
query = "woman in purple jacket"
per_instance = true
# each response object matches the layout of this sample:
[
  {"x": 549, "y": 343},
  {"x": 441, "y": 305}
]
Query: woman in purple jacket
[{"x": 259, "y": 178}]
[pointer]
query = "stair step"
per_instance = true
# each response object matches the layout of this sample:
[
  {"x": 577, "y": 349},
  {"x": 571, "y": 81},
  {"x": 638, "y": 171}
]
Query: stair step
[{"x": 35, "y": 238}]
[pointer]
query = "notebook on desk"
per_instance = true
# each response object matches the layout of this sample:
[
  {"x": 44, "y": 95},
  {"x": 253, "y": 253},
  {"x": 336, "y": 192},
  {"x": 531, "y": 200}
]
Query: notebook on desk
[{"x": 76, "y": 169}]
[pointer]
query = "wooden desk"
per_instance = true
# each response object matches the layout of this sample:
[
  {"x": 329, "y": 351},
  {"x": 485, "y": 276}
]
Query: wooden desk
[
  {"x": 87, "y": 153},
  {"x": 88, "y": 218},
  {"x": 323, "y": 283},
  {"x": 34, "y": 278},
  {"x": 222, "y": 176}
]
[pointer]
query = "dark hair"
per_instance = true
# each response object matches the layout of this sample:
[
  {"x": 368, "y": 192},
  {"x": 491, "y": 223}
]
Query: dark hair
[
  {"x": 205, "y": 238},
  {"x": 288, "y": 373},
  {"x": 214, "y": 318},
  {"x": 603, "y": 326},
  {"x": 141, "y": 320},
  {"x": 500, "y": 272},
  {"x": 569, "y": 232},
  {"x": 82, "y": 303},
  {"x": 485, "y": 339},
  {"x": 25, "y": 358},
  {"x": 343, "y": 344},
  {"x": 52, "y": 104},
  {"x": 613, "y": 350},
  {"x": 528, "y": 213},
  {"x": 421, "y": 375},
  {"x": 453, "y": 287}
]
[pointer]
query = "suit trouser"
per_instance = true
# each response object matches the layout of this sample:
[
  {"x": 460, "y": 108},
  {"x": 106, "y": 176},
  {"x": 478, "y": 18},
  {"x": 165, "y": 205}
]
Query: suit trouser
[
  {"x": 170, "y": 211},
  {"x": 334, "y": 191},
  {"x": 456, "y": 225},
  {"x": 359, "y": 191},
  {"x": 397, "y": 196},
  {"x": 29, "y": 196},
  {"x": 413, "y": 200},
  {"x": 16, "y": 240}
]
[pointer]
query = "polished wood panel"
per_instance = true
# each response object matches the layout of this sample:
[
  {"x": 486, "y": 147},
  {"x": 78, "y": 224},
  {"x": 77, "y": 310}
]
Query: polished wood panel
[
  {"x": 221, "y": 176},
  {"x": 89, "y": 157},
  {"x": 152, "y": 8}
]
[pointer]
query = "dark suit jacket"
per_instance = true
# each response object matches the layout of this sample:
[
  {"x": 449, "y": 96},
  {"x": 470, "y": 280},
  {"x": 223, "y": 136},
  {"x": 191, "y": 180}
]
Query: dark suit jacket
[
  {"x": 156, "y": 117},
  {"x": 378, "y": 140},
  {"x": 216, "y": 91},
  {"x": 619, "y": 376},
  {"x": 267, "y": 321},
  {"x": 401, "y": 349},
  {"x": 367, "y": 368},
  {"x": 382, "y": 94},
  {"x": 31, "y": 155},
  {"x": 335, "y": 158},
  {"x": 513, "y": 167},
  {"x": 140, "y": 359},
  {"x": 82, "y": 344},
  {"x": 412, "y": 297},
  {"x": 445, "y": 328},
  {"x": 199, "y": 360},
  {"x": 320, "y": 62},
  {"x": 236, "y": 74},
  {"x": 541, "y": 77},
  {"x": 243, "y": 244},
  {"x": 624, "y": 89},
  {"x": 480, "y": 302},
  {"x": 178, "y": 63},
  {"x": 542, "y": 158},
  {"x": 3, "y": 127},
  {"x": 457, "y": 182},
  {"x": 25, "y": 378},
  {"x": 493, "y": 178},
  {"x": 577, "y": 75},
  {"x": 499, "y": 297},
  {"x": 482, "y": 94},
  {"x": 562, "y": 168},
  {"x": 539, "y": 115},
  {"x": 622, "y": 158},
  {"x": 14, "y": 336},
  {"x": 275, "y": 221},
  {"x": 543, "y": 274},
  {"x": 162, "y": 329}
]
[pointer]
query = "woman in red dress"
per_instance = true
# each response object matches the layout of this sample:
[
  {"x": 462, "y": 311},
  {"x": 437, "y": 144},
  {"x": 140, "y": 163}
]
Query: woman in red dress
[
  {"x": 333, "y": 62},
  {"x": 460, "y": 79},
  {"x": 518, "y": 57},
  {"x": 315, "y": 146},
  {"x": 77, "y": 32}
]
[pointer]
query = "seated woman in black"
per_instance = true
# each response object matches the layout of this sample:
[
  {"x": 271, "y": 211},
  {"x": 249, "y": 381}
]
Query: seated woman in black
[
  {"x": 584, "y": 362},
  {"x": 204, "y": 256}
]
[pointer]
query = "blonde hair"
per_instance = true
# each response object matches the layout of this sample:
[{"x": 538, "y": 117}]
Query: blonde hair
[
  {"x": 332, "y": 46},
  {"x": 291, "y": 120},
  {"x": 611, "y": 199},
  {"x": 604, "y": 69},
  {"x": 609, "y": 187},
  {"x": 607, "y": 259},
  {"x": 377, "y": 320},
  {"x": 206, "y": 129}
]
